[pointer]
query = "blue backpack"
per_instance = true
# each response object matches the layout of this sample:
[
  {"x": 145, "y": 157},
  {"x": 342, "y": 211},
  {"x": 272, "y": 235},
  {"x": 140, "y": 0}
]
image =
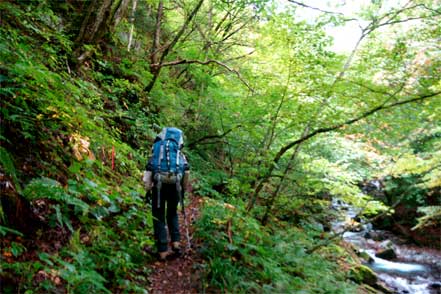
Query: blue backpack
[{"x": 167, "y": 157}]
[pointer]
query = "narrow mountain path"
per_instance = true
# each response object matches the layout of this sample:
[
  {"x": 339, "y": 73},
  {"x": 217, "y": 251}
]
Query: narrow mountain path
[{"x": 179, "y": 275}]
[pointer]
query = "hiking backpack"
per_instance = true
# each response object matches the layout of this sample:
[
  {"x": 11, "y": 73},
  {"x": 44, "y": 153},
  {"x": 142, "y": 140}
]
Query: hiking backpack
[
  {"x": 167, "y": 160},
  {"x": 167, "y": 165}
]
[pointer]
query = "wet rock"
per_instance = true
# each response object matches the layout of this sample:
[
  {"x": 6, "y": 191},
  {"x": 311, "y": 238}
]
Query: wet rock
[
  {"x": 363, "y": 275},
  {"x": 374, "y": 235},
  {"x": 366, "y": 257},
  {"x": 383, "y": 289},
  {"x": 387, "y": 244},
  {"x": 388, "y": 254},
  {"x": 354, "y": 226},
  {"x": 436, "y": 285}
]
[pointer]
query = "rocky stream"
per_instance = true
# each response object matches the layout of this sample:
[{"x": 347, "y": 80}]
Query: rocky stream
[{"x": 399, "y": 265}]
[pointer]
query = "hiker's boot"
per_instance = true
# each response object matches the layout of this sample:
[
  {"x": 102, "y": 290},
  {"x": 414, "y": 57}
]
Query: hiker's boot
[
  {"x": 176, "y": 247},
  {"x": 162, "y": 256}
]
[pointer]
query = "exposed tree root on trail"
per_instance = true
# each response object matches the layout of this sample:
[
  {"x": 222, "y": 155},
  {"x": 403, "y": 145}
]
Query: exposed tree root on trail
[{"x": 180, "y": 275}]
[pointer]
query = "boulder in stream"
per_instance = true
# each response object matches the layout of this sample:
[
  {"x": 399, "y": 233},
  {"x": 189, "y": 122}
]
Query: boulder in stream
[
  {"x": 365, "y": 256},
  {"x": 388, "y": 254},
  {"x": 436, "y": 285},
  {"x": 374, "y": 235},
  {"x": 364, "y": 275}
]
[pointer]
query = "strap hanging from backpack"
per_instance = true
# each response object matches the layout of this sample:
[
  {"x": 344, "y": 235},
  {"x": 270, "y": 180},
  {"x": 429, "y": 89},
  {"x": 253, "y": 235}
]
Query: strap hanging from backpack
[{"x": 158, "y": 188}]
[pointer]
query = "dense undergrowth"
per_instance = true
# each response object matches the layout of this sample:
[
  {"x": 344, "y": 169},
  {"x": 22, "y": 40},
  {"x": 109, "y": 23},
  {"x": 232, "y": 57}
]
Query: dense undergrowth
[
  {"x": 66, "y": 154},
  {"x": 243, "y": 256}
]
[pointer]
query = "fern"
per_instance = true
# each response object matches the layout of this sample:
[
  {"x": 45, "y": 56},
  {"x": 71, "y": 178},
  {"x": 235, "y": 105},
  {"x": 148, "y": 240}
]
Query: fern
[
  {"x": 7, "y": 163},
  {"x": 244, "y": 255}
]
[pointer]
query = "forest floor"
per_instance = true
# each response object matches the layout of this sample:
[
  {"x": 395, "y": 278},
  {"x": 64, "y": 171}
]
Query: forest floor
[{"x": 180, "y": 275}]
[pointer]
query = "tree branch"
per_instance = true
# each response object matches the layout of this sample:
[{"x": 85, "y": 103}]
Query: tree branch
[
  {"x": 308, "y": 136},
  {"x": 157, "y": 34},
  {"x": 185, "y": 61},
  {"x": 382, "y": 106},
  {"x": 209, "y": 137},
  {"x": 321, "y": 10},
  {"x": 181, "y": 31}
]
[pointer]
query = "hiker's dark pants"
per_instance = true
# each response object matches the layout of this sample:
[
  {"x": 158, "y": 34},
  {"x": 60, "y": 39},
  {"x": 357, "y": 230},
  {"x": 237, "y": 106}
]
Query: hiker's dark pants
[{"x": 169, "y": 203}]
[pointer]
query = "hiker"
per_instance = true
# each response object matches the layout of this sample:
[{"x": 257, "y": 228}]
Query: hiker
[{"x": 165, "y": 179}]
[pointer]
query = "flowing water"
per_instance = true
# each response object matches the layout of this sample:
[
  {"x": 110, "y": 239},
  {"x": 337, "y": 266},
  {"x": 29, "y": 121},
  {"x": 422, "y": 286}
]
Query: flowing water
[{"x": 416, "y": 270}]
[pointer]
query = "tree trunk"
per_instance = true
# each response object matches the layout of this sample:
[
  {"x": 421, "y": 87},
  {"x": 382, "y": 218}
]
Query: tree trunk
[
  {"x": 158, "y": 56},
  {"x": 101, "y": 18},
  {"x": 94, "y": 24},
  {"x": 132, "y": 20}
]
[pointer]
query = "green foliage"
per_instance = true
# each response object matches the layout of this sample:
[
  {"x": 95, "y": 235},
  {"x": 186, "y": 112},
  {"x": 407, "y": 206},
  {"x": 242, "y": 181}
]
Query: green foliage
[
  {"x": 431, "y": 217},
  {"x": 110, "y": 255},
  {"x": 17, "y": 249},
  {"x": 8, "y": 167},
  {"x": 75, "y": 134},
  {"x": 244, "y": 256},
  {"x": 24, "y": 270},
  {"x": 6, "y": 230},
  {"x": 45, "y": 188},
  {"x": 406, "y": 187},
  {"x": 80, "y": 273}
]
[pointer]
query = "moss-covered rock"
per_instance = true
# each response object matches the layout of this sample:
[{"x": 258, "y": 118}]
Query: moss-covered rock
[
  {"x": 364, "y": 256},
  {"x": 368, "y": 280},
  {"x": 366, "y": 289},
  {"x": 363, "y": 275}
]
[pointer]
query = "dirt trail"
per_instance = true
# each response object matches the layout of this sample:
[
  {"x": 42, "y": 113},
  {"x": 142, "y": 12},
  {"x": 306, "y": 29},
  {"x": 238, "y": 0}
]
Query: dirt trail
[{"x": 179, "y": 275}]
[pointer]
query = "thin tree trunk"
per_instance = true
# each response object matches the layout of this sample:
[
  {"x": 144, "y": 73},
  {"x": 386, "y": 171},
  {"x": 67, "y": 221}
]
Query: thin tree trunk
[
  {"x": 275, "y": 193},
  {"x": 158, "y": 60},
  {"x": 120, "y": 12},
  {"x": 132, "y": 20}
]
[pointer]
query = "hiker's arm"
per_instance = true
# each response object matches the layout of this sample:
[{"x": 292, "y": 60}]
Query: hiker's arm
[{"x": 148, "y": 177}]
